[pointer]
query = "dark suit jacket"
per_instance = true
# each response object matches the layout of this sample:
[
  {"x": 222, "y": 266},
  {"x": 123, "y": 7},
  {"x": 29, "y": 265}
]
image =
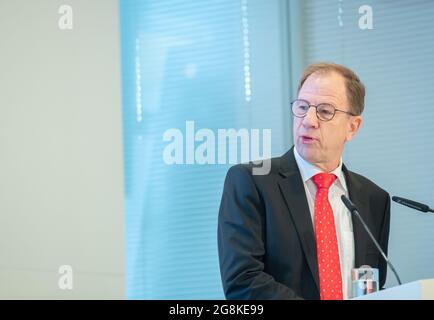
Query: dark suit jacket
[{"x": 266, "y": 240}]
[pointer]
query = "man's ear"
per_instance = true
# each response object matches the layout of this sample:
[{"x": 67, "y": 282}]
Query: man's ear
[{"x": 354, "y": 125}]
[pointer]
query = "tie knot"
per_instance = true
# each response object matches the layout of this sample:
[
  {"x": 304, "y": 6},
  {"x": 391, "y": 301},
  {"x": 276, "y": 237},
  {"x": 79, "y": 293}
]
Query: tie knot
[{"x": 323, "y": 180}]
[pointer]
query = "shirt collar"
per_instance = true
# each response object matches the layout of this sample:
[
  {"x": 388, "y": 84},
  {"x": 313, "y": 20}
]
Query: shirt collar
[{"x": 308, "y": 170}]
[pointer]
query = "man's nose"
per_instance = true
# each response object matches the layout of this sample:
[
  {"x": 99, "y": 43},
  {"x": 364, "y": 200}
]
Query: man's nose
[{"x": 311, "y": 119}]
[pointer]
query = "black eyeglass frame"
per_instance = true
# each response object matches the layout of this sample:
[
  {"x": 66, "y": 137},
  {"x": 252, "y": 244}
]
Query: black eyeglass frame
[{"x": 316, "y": 108}]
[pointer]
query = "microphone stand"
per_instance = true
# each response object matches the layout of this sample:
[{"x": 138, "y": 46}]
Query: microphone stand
[{"x": 352, "y": 208}]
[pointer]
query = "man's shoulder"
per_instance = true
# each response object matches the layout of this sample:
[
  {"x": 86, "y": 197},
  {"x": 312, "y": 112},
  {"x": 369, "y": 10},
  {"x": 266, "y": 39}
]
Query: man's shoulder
[
  {"x": 367, "y": 184},
  {"x": 262, "y": 169}
]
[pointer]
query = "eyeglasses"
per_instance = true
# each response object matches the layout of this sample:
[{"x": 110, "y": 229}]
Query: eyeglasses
[{"x": 324, "y": 111}]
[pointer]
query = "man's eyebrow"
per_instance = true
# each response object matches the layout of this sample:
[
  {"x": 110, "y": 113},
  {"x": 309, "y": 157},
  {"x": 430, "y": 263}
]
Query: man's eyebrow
[{"x": 332, "y": 103}]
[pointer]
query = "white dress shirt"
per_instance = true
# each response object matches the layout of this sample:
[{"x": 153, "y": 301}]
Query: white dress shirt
[{"x": 343, "y": 223}]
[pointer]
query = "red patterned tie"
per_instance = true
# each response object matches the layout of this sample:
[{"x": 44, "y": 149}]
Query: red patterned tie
[{"x": 329, "y": 266}]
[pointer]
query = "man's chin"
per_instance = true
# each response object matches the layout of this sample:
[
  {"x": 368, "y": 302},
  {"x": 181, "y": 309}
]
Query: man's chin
[{"x": 308, "y": 153}]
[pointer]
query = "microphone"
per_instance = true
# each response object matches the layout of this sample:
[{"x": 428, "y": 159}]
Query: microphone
[
  {"x": 352, "y": 208},
  {"x": 412, "y": 204}
]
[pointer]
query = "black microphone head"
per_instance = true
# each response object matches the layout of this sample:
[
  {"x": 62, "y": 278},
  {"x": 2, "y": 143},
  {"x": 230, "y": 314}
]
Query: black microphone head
[
  {"x": 347, "y": 202},
  {"x": 411, "y": 204}
]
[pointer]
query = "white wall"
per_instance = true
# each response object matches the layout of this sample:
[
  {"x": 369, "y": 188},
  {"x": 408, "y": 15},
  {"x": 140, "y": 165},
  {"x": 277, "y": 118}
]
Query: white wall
[{"x": 61, "y": 179}]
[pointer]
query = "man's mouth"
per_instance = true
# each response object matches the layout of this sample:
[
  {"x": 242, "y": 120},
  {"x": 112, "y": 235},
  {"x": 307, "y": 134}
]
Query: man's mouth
[{"x": 307, "y": 139}]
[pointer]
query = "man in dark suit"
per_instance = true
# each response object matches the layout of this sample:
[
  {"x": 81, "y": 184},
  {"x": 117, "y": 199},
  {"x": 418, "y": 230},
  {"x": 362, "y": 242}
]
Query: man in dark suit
[{"x": 286, "y": 234}]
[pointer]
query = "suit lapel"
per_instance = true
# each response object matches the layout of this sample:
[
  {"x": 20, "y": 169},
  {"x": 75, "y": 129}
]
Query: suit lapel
[
  {"x": 292, "y": 188},
  {"x": 361, "y": 200}
]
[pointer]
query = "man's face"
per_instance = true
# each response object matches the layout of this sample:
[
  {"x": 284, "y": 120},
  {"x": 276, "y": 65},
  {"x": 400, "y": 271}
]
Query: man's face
[{"x": 322, "y": 142}]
